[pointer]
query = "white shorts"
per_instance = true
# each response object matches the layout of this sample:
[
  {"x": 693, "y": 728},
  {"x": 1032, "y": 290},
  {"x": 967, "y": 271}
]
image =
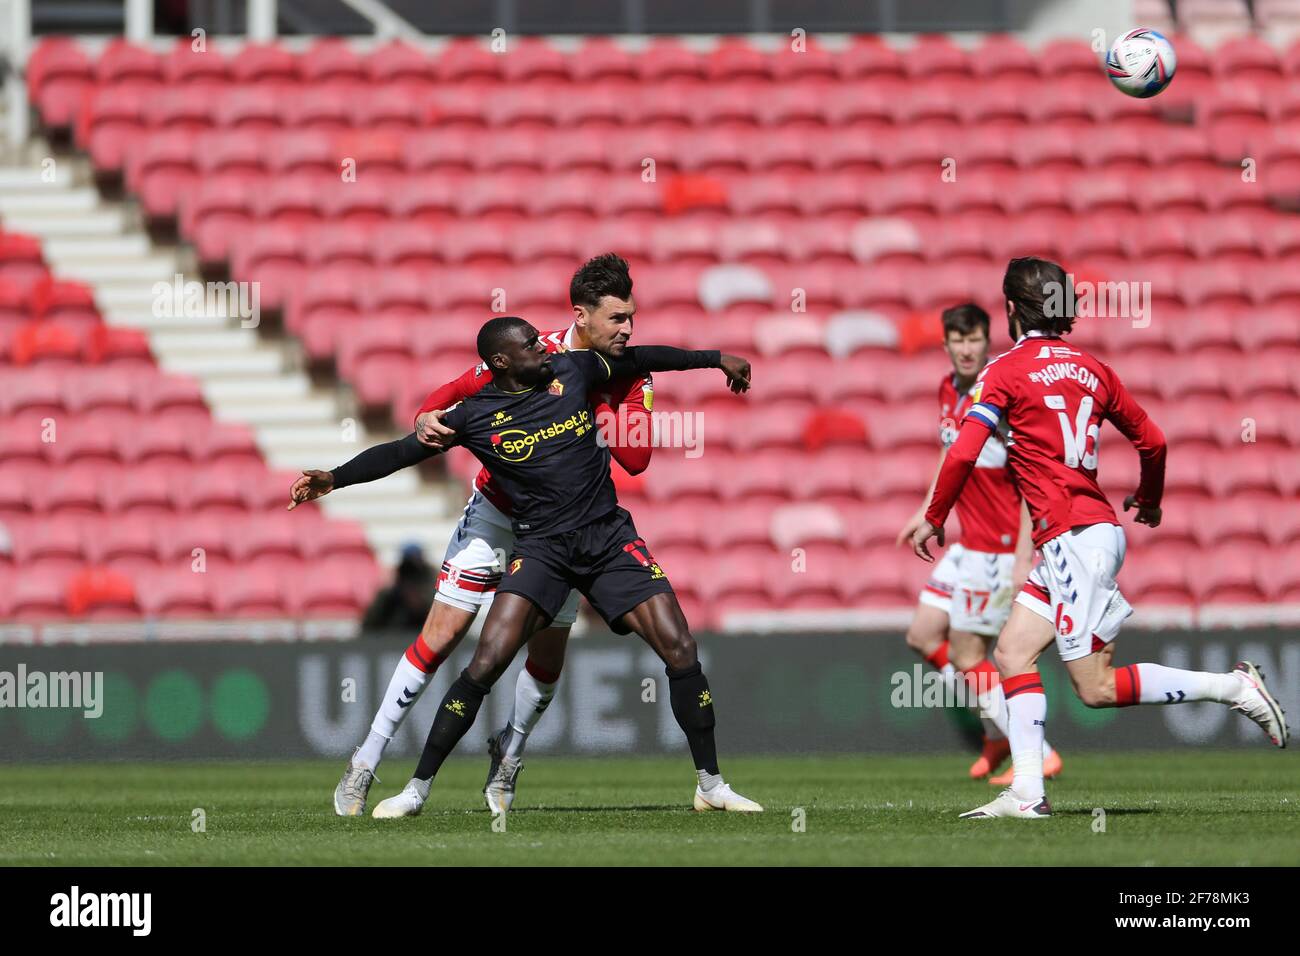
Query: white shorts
[
  {"x": 471, "y": 568},
  {"x": 973, "y": 588},
  {"x": 1074, "y": 587}
]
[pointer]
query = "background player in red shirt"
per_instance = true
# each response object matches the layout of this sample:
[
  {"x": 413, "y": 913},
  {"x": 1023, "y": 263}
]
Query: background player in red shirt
[
  {"x": 968, "y": 597},
  {"x": 1054, "y": 398},
  {"x": 603, "y": 308}
]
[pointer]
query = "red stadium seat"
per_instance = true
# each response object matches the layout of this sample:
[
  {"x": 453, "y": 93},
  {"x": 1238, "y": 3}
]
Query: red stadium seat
[
  {"x": 465, "y": 60},
  {"x": 126, "y": 64},
  {"x": 39, "y": 597},
  {"x": 204, "y": 68},
  {"x": 249, "y": 109},
  {"x": 1229, "y": 576},
  {"x": 267, "y": 64},
  {"x": 113, "y": 125},
  {"x": 59, "y": 75},
  {"x": 400, "y": 65},
  {"x": 102, "y": 594},
  {"x": 1159, "y": 578},
  {"x": 180, "y": 594}
]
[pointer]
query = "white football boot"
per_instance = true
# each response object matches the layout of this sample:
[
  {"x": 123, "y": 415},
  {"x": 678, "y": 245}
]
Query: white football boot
[
  {"x": 1007, "y": 804},
  {"x": 350, "y": 794},
  {"x": 408, "y": 803},
  {"x": 1258, "y": 704},
  {"x": 503, "y": 771},
  {"x": 722, "y": 797}
]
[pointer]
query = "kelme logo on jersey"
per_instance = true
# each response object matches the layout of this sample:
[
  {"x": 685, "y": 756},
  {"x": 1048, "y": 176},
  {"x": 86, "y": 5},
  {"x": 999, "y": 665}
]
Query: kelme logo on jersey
[
  {"x": 516, "y": 444},
  {"x": 457, "y": 707}
]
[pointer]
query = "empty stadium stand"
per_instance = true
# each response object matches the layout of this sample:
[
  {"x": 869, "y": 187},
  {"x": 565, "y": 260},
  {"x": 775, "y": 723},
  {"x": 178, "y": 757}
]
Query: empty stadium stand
[{"x": 815, "y": 210}]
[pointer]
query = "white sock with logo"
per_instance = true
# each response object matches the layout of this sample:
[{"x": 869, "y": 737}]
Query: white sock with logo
[
  {"x": 532, "y": 697},
  {"x": 408, "y": 683},
  {"x": 1169, "y": 685},
  {"x": 1026, "y": 719}
]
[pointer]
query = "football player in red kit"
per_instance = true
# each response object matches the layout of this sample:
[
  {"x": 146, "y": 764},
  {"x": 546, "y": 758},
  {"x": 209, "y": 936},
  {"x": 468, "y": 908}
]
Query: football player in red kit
[
  {"x": 968, "y": 597},
  {"x": 1054, "y": 398}
]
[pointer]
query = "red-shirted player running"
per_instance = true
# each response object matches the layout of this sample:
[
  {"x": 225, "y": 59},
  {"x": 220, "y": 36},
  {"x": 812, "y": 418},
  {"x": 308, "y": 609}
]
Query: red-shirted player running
[
  {"x": 968, "y": 597},
  {"x": 1054, "y": 398}
]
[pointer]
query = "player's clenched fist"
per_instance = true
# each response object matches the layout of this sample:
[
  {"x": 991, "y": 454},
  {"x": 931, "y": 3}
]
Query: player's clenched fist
[
  {"x": 1145, "y": 514},
  {"x": 312, "y": 485},
  {"x": 737, "y": 371}
]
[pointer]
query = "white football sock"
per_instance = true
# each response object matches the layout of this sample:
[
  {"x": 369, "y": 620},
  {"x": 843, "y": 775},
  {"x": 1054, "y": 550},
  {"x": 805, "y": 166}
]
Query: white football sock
[
  {"x": 994, "y": 703},
  {"x": 1026, "y": 716},
  {"x": 404, "y": 690},
  {"x": 1169, "y": 685},
  {"x": 532, "y": 697}
]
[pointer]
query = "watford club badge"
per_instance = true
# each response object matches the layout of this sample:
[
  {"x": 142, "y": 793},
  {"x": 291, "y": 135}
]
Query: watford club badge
[
  {"x": 516, "y": 564},
  {"x": 557, "y": 388}
]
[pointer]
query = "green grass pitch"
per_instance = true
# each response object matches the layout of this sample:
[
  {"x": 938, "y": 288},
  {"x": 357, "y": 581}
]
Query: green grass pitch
[{"x": 1183, "y": 808}]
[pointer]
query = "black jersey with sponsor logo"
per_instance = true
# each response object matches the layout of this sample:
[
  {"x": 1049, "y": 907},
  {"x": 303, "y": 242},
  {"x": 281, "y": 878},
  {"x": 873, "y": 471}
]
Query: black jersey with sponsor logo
[{"x": 541, "y": 444}]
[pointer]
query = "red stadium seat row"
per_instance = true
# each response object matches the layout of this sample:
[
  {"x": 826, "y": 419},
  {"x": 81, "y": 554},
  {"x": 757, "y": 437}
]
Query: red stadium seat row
[
  {"x": 862, "y": 106},
  {"x": 157, "y": 486},
  {"x": 274, "y": 589},
  {"x": 811, "y": 499},
  {"x": 1232, "y": 385},
  {"x": 172, "y": 539},
  {"x": 732, "y": 179},
  {"x": 1250, "y": 491},
  {"x": 60, "y": 69},
  {"x": 246, "y": 154},
  {"x": 832, "y": 576},
  {"x": 276, "y": 259},
  {"x": 664, "y": 60},
  {"x": 757, "y": 221},
  {"x": 52, "y": 389},
  {"x": 72, "y": 342},
  {"x": 46, "y": 298},
  {"x": 110, "y": 437}
]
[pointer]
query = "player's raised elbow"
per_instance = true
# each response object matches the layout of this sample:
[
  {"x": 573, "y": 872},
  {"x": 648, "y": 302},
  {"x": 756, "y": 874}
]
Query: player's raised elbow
[
  {"x": 1153, "y": 440},
  {"x": 635, "y": 460}
]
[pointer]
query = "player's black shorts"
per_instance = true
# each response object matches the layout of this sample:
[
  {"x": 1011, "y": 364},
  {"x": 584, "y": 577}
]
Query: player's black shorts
[{"x": 606, "y": 560}]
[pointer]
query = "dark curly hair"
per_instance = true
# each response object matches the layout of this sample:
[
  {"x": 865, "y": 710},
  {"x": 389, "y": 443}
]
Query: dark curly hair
[{"x": 598, "y": 277}]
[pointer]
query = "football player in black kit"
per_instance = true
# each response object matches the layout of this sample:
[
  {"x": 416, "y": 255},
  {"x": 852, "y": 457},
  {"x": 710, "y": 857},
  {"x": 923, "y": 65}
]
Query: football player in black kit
[{"x": 534, "y": 428}]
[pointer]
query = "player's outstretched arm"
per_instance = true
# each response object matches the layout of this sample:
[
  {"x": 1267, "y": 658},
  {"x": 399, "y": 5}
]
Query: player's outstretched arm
[
  {"x": 377, "y": 461},
  {"x": 957, "y": 466},
  {"x": 918, "y": 519},
  {"x": 640, "y": 359}
]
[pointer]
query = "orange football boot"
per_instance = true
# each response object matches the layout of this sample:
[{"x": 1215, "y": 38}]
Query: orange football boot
[
  {"x": 1051, "y": 768},
  {"x": 990, "y": 758}
]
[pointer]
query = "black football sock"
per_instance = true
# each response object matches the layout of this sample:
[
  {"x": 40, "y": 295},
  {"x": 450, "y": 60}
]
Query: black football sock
[
  {"x": 456, "y": 714},
  {"x": 688, "y": 689}
]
